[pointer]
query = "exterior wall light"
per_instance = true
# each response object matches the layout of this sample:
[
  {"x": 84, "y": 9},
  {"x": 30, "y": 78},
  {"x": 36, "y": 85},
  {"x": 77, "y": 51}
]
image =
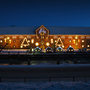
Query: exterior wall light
[
  {"x": 47, "y": 44},
  {"x": 21, "y": 46},
  {"x": 62, "y": 46},
  {"x": 36, "y": 43}
]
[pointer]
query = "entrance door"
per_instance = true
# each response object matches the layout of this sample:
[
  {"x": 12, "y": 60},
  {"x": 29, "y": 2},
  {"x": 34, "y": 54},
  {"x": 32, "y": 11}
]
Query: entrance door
[{"x": 42, "y": 45}]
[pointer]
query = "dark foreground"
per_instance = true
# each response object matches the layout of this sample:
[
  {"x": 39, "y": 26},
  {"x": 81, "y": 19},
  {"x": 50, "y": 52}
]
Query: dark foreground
[
  {"x": 43, "y": 56},
  {"x": 48, "y": 73}
]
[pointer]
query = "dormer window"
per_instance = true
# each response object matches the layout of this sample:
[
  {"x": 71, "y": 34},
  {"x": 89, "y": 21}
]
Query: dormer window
[{"x": 42, "y": 37}]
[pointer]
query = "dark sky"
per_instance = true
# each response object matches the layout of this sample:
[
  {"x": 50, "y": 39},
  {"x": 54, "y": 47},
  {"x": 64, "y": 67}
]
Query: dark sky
[{"x": 46, "y": 12}]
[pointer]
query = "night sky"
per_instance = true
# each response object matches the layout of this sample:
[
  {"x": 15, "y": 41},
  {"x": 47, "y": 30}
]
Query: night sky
[{"x": 47, "y": 12}]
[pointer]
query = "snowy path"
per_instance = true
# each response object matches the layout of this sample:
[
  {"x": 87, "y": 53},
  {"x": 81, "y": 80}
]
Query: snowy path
[{"x": 46, "y": 86}]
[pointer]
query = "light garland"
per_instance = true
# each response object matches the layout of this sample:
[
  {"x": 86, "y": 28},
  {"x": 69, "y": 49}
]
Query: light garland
[
  {"x": 22, "y": 44},
  {"x": 58, "y": 41}
]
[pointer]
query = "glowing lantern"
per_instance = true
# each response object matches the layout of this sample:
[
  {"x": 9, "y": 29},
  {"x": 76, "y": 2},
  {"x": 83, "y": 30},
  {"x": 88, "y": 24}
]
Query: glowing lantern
[
  {"x": 36, "y": 43},
  {"x": 47, "y": 43}
]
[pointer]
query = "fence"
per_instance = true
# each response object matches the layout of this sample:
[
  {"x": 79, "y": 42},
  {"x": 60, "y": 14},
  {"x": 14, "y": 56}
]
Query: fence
[{"x": 43, "y": 79}]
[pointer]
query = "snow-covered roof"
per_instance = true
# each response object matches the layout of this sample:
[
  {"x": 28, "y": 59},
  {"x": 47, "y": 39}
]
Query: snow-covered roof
[{"x": 52, "y": 30}]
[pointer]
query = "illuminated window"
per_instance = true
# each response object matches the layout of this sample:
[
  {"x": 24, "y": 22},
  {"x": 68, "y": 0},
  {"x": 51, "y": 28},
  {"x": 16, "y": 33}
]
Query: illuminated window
[
  {"x": 82, "y": 45},
  {"x": 1, "y": 41},
  {"x": 78, "y": 40},
  {"x": 88, "y": 45},
  {"x": 76, "y": 37},
  {"x": 82, "y": 40},
  {"x": 32, "y": 41},
  {"x": 51, "y": 40},
  {"x": 74, "y": 40},
  {"x": 36, "y": 43},
  {"x": 14, "y": 46},
  {"x": 10, "y": 41},
  {"x": 70, "y": 41},
  {"x": 47, "y": 43},
  {"x": 5, "y": 40}
]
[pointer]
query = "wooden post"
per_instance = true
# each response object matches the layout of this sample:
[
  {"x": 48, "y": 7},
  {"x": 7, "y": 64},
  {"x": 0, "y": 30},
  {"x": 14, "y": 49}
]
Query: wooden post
[
  {"x": 10, "y": 61},
  {"x": 49, "y": 79},
  {"x": 18, "y": 55},
  {"x": 75, "y": 60},
  {"x": 24, "y": 80},
  {"x": 0, "y": 80},
  {"x": 57, "y": 61},
  {"x": 73, "y": 79},
  {"x": 28, "y": 61}
]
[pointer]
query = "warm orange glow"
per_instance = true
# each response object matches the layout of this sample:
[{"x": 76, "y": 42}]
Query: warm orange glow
[
  {"x": 78, "y": 40},
  {"x": 55, "y": 40},
  {"x": 51, "y": 40},
  {"x": 21, "y": 46},
  {"x": 1, "y": 41},
  {"x": 88, "y": 45},
  {"x": 8, "y": 37},
  {"x": 82, "y": 40},
  {"x": 32, "y": 41},
  {"x": 36, "y": 43},
  {"x": 47, "y": 43},
  {"x": 28, "y": 40},
  {"x": 10, "y": 41},
  {"x": 76, "y": 37},
  {"x": 82, "y": 45},
  {"x": 69, "y": 40},
  {"x": 62, "y": 46},
  {"x": 74, "y": 41}
]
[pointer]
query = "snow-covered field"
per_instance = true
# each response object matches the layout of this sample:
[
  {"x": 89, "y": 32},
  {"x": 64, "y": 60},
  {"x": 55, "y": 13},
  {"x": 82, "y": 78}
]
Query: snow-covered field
[{"x": 46, "y": 86}]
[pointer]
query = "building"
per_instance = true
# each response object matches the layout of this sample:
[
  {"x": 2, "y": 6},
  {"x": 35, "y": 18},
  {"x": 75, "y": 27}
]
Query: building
[{"x": 43, "y": 37}]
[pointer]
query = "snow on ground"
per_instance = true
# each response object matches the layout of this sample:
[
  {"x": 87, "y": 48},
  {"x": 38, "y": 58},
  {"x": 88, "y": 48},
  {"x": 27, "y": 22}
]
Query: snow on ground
[{"x": 46, "y": 86}]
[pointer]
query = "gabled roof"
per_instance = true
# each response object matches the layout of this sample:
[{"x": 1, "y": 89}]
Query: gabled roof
[{"x": 52, "y": 30}]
